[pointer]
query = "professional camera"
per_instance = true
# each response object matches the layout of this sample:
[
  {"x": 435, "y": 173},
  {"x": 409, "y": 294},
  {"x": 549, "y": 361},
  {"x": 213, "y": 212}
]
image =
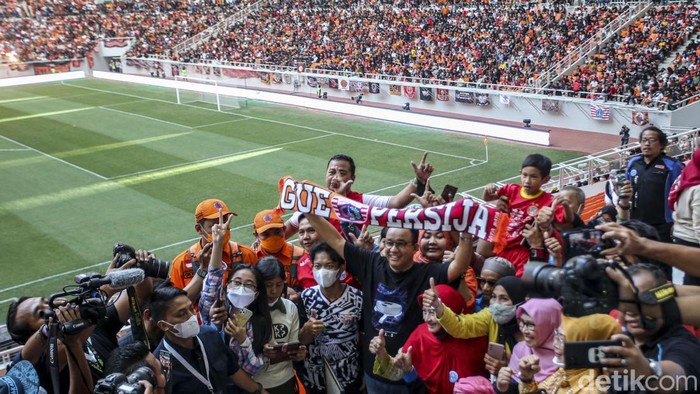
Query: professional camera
[
  {"x": 153, "y": 268},
  {"x": 118, "y": 383},
  {"x": 581, "y": 284}
]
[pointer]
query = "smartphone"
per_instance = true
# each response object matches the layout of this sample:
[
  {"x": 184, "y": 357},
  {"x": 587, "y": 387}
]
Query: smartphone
[
  {"x": 584, "y": 241},
  {"x": 587, "y": 354},
  {"x": 288, "y": 347},
  {"x": 449, "y": 192},
  {"x": 620, "y": 182},
  {"x": 282, "y": 351},
  {"x": 496, "y": 350}
]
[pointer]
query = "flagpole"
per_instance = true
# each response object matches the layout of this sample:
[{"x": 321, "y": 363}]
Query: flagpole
[{"x": 486, "y": 145}]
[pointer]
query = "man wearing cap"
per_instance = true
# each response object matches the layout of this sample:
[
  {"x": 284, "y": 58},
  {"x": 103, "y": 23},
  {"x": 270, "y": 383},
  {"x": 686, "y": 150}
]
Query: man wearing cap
[
  {"x": 195, "y": 259},
  {"x": 494, "y": 269},
  {"x": 268, "y": 228}
]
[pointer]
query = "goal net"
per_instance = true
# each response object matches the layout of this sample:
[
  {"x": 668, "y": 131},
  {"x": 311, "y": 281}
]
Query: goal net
[{"x": 207, "y": 93}]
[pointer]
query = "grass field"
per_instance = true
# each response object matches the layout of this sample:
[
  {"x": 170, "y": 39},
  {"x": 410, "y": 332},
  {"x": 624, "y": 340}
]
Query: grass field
[{"x": 88, "y": 163}]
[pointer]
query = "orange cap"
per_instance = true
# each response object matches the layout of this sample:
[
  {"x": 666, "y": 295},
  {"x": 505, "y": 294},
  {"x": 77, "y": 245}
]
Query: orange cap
[
  {"x": 209, "y": 209},
  {"x": 269, "y": 218}
]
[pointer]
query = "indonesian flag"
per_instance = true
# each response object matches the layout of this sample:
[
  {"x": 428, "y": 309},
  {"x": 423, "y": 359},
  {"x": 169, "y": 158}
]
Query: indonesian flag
[{"x": 466, "y": 214}]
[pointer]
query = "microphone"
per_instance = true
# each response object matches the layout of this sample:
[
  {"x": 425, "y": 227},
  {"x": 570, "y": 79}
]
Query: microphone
[{"x": 120, "y": 279}]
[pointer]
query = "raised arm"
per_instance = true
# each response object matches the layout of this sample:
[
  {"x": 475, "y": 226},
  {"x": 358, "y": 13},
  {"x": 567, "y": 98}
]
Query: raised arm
[
  {"x": 682, "y": 257},
  {"x": 463, "y": 257},
  {"x": 422, "y": 170},
  {"x": 328, "y": 233}
]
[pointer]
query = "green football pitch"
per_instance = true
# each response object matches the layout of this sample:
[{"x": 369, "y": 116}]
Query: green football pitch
[{"x": 88, "y": 163}]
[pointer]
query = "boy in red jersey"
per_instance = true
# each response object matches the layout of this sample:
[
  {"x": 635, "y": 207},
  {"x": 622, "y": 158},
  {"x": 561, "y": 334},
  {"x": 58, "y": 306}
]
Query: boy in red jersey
[{"x": 524, "y": 202}]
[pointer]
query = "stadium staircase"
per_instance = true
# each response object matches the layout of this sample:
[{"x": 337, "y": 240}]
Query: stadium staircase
[
  {"x": 577, "y": 56},
  {"x": 593, "y": 204},
  {"x": 219, "y": 28},
  {"x": 671, "y": 57}
]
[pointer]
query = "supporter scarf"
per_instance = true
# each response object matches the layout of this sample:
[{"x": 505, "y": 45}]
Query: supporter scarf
[
  {"x": 689, "y": 178},
  {"x": 481, "y": 221}
]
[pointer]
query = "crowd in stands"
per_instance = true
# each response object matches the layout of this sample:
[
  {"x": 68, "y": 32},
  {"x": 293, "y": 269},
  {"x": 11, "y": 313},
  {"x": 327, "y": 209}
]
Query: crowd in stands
[
  {"x": 628, "y": 65},
  {"x": 452, "y": 309},
  {"x": 488, "y": 43}
]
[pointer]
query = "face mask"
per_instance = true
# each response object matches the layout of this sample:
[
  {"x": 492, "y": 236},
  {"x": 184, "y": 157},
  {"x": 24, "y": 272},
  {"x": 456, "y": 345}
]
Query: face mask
[
  {"x": 186, "y": 329},
  {"x": 273, "y": 243},
  {"x": 227, "y": 237},
  {"x": 325, "y": 277},
  {"x": 240, "y": 296},
  {"x": 502, "y": 314}
]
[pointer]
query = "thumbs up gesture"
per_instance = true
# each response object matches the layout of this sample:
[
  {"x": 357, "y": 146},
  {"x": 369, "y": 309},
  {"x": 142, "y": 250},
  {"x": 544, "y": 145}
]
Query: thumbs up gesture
[
  {"x": 431, "y": 299},
  {"x": 377, "y": 346},
  {"x": 403, "y": 361},
  {"x": 314, "y": 325}
]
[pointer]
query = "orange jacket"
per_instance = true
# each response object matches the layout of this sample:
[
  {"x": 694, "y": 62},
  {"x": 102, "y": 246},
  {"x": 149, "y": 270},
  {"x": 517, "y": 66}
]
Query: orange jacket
[{"x": 184, "y": 265}]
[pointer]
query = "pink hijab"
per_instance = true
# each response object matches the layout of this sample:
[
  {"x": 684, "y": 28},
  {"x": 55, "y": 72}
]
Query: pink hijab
[{"x": 546, "y": 313}]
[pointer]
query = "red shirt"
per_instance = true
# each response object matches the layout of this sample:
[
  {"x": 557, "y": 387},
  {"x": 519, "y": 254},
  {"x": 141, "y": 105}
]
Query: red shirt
[
  {"x": 306, "y": 274},
  {"x": 523, "y": 210}
]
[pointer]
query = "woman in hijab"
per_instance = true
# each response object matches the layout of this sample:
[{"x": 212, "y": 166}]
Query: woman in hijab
[
  {"x": 436, "y": 357},
  {"x": 497, "y": 321},
  {"x": 567, "y": 381},
  {"x": 684, "y": 201},
  {"x": 538, "y": 320}
]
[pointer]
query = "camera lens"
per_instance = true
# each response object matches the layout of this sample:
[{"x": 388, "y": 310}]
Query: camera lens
[
  {"x": 543, "y": 278},
  {"x": 157, "y": 268}
]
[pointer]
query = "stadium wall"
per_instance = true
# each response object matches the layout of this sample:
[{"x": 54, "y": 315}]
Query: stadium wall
[
  {"x": 530, "y": 135},
  {"x": 513, "y": 107}
]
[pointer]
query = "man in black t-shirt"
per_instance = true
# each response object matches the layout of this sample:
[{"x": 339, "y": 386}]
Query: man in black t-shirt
[{"x": 391, "y": 284}]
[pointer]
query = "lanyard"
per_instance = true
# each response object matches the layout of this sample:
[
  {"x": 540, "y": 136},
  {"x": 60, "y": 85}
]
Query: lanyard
[{"x": 189, "y": 368}]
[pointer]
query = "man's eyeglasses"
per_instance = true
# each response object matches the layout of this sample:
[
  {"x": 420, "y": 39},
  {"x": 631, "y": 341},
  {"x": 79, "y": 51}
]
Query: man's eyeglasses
[
  {"x": 249, "y": 286},
  {"x": 484, "y": 281},
  {"x": 391, "y": 244},
  {"x": 649, "y": 141},
  {"x": 526, "y": 326}
]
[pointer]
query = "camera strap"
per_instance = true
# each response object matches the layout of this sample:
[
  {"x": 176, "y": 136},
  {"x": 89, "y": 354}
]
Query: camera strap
[
  {"x": 138, "y": 331},
  {"x": 189, "y": 367}
]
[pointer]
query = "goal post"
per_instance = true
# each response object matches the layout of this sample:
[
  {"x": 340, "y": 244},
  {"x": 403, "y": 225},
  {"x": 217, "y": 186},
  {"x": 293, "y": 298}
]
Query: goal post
[{"x": 207, "y": 93}]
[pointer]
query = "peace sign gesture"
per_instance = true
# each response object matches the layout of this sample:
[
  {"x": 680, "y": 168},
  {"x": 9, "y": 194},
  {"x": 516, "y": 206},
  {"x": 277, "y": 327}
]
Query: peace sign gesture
[{"x": 218, "y": 230}]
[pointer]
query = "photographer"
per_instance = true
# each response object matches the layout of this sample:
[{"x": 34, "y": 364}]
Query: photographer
[
  {"x": 135, "y": 361},
  {"x": 25, "y": 323},
  {"x": 660, "y": 346}
]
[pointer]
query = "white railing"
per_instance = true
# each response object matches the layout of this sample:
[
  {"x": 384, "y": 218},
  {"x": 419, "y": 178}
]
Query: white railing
[
  {"x": 238, "y": 13},
  {"x": 591, "y": 168},
  {"x": 592, "y": 45},
  {"x": 617, "y": 101}
]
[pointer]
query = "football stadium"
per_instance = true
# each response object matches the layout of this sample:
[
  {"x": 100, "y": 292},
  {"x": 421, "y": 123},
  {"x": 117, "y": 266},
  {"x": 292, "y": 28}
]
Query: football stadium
[{"x": 378, "y": 188}]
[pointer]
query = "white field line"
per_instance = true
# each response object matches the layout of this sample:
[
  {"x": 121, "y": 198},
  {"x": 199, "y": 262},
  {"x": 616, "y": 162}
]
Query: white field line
[
  {"x": 474, "y": 163},
  {"x": 284, "y": 123},
  {"x": 54, "y": 158}
]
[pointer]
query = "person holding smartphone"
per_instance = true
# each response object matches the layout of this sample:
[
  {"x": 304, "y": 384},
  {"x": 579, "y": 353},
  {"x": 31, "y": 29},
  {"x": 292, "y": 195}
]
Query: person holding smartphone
[{"x": 236, "y": 308}]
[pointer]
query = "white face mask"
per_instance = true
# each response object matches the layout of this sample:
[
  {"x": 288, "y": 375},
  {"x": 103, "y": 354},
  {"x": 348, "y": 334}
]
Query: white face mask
[
  {"x": 241, "y": 296},
  {"x": 186, "y": 329},
  {"x": 325, "y": 277}
]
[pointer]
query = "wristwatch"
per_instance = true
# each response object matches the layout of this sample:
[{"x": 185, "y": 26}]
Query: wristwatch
[
  {"x": 655, "y": 367},
  {"x": 259, "y": 390},
  {"x": 202, "y": 273}
]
